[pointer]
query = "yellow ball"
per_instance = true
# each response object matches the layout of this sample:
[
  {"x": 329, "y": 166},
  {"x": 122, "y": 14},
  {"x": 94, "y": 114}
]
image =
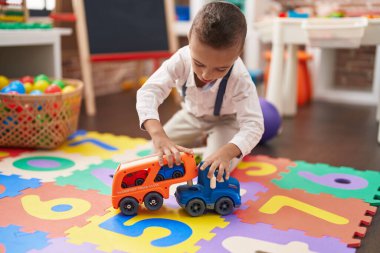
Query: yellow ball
[
  {"x": 68, "y": 89},
  {"x": 28, "y": 87},
  {"x": 41, "y": 85},
  {"x": 3, "y": 81}
]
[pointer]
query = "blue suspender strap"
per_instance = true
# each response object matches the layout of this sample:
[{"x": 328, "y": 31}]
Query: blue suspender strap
[
  {"x": 184, "y": 87},
  {"x": 221, "y": 91}
]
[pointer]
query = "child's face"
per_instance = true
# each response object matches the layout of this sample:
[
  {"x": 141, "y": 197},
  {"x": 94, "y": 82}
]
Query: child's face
[{"x": 209, "y": 63}]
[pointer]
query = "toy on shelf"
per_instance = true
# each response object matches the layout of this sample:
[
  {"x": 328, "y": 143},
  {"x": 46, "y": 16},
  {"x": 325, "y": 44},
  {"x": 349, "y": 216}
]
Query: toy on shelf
[
  {"x": 196, "y": 199},
  {"x": 27, "y": 26},
  {"x": 13, "y": 11},
  {"x": 145, "y": 181}
]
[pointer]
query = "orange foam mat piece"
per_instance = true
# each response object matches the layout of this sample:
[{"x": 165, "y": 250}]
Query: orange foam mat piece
[
  {"x": 261, "y": 169},
  {"x": 52, "y": 209},
  {"x": 317, "y": 215}
]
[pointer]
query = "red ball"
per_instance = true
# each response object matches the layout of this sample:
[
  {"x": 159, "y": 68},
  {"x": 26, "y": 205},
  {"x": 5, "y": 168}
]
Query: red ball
[
  {"x": 27, "y": 79},
  {"x": 53, "y": 89}
]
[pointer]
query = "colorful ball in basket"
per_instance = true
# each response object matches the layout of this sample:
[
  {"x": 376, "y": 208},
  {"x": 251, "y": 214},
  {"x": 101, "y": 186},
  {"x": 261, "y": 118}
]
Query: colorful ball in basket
[
  {"x": 3, "y": 82},
  {"x": 17, "y": 86},
  {"x": 6, "y": 89},
  {"x": 42, "y": 77},
  {"x": 60, "y": 83},
  {"x": 272, "y": 120},
  {"x": 27, "y": 79},
  {"x": 36, "y": 92},
  {"x": 28, "y": 87},
  {"x": 41, "y": 85},
  {"x": 53, "y": 89},
  {"x": 68, "y": 89}
]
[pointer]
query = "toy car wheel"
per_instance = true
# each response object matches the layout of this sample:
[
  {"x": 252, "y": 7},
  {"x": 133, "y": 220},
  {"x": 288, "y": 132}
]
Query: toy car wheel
[
  {"x": 129, "y": 206},
  {"x": 139, "y": 181},
  {"x": 153, "y": 201},
  {"x": 195, "y": 207},
  {"x": 159, "y": 178},
  {"x": 224, "y": 206},
  {"x": 177, "y": 174}
]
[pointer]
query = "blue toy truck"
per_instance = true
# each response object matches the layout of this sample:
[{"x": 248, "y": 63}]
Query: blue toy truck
[{"x": 197, "y": 198}]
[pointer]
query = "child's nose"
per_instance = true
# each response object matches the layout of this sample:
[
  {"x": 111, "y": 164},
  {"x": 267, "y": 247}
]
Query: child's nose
[{"x": 207, "y": 75}]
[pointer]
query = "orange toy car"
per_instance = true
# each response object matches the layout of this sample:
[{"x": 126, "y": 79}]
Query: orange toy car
[{"x": 128, "y": 196}]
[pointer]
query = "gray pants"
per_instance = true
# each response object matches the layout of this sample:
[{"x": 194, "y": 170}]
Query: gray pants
[{"x": 186, "y": 130}]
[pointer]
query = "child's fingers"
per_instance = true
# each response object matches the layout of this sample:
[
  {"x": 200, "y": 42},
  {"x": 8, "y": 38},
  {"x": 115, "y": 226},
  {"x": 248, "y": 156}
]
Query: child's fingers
[
  {"x": 169, "y": 157},
  {"x": 211, "y": 172},
  {"x": 219, "y": 177},
  {"x": 186, "y": 150},
  {"x": 213, "y": 182},
  {"x": 160, "y": 158},
  {"x": 205, "y": 164},
  {"x": 227, "y": 173},
  {"x": 177, "y": 155}
]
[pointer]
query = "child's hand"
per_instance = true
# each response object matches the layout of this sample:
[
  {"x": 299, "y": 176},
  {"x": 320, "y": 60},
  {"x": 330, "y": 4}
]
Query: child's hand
[
  {"x": 164, "y": 146},
  {"x": 221, "y": 160}
]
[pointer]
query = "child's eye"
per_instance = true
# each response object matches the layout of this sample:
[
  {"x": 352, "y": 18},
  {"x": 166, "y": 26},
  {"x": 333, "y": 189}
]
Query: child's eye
[
  {"x": 198, "y": 64},
  {"x": 221, "y": 70}
]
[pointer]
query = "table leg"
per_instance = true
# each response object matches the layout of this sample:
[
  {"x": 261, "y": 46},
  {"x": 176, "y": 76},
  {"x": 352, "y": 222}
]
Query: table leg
[
  {"x": 274, "y": 92},
  {"x": 324, "y": 61},
  {"x": 376, "y": 81},
  {"x": 376, "y": 86},
  {"x": 290, "y": 87},
  {"x": 57, "y": 57}
]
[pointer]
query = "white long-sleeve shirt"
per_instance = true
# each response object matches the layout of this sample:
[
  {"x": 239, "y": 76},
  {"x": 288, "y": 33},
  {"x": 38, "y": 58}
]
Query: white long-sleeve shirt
[{"x": 240, "y": 97}]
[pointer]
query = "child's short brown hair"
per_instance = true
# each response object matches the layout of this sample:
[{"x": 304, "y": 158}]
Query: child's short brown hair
[{"x": 220, "y": 25}]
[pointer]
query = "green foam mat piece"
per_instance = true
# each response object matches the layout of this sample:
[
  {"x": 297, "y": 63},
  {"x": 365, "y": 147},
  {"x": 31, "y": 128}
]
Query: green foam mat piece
[{"x": 342, "y": 182}]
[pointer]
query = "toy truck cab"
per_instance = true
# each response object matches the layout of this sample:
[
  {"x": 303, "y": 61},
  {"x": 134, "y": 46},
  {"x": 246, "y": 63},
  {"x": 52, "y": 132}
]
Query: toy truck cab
[
  {"x": 197, "y": 198},
  {"x": 135, "y": 182}
]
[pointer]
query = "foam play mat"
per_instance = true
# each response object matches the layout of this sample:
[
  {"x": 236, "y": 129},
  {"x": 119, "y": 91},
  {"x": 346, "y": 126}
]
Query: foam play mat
[{"x": 60, "y": 201}]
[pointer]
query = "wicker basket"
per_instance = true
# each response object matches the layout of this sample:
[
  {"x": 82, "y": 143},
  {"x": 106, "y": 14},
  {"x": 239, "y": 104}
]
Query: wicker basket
[{"x": 42, "y": 121}]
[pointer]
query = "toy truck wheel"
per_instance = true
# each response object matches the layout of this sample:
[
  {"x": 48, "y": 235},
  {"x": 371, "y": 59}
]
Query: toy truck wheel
[
  {"x": 139, "y": 181},
  {"x": 159, "y": 178},
  {"x": 129, "y": 206},
  {"x": 177, "y": 174},
  {"x": 224, "y": 206},
  {"x": 153, "y": 201},
  {"x": 195, "y": 207}
]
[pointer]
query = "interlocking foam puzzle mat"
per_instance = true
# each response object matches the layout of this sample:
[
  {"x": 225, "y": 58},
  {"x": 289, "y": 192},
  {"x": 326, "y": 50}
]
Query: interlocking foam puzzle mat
[{"x": 60, "y": 201}]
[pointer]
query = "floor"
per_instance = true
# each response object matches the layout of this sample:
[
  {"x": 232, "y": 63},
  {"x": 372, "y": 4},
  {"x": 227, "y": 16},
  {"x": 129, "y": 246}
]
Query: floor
[{"x": 337, "y": 134}]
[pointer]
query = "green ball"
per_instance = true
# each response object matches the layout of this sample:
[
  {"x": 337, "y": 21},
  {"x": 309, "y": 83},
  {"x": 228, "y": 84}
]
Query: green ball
[
  {"x": 59, "y": 83},
  {"x": 42, "y": 77}
]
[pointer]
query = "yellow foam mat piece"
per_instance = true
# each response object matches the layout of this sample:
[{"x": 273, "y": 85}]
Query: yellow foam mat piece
[{"x": 108, "y": 240}]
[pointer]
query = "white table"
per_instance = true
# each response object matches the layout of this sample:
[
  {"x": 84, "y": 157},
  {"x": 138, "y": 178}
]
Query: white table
[
  {"x": 31, "y": 52},
  {"x": 291, "y": 32}
]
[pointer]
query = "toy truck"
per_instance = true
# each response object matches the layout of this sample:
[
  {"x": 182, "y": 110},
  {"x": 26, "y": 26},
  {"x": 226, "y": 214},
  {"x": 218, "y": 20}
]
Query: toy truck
[
  {"x": 196, "y": 199},
  {"x": 145, "y": 181}
]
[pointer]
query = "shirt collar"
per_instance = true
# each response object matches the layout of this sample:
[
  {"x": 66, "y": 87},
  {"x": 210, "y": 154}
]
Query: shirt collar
[{"x": 191, "y": 81}]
